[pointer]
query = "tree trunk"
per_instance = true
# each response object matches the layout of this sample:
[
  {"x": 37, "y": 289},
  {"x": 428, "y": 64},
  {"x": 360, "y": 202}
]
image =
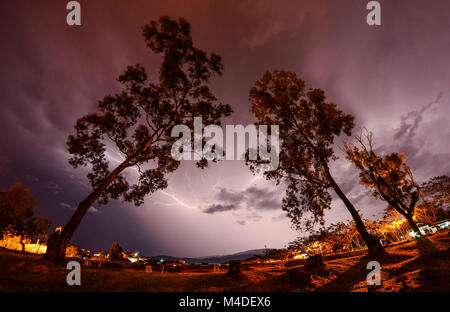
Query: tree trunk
[
  {"x": 57, "y": 242},
  {"x": 22, "y": 243},
  {"x": 414, "y": 227},
  {"x": 315, "y": 262},
  {"x": 373, "y": 244},
  {"x": 235, "y": 268}
]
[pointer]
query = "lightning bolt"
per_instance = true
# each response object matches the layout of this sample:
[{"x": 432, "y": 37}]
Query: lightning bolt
[
  {"x": 177, "y": 200},
  {"x": 172, "y": 196}
]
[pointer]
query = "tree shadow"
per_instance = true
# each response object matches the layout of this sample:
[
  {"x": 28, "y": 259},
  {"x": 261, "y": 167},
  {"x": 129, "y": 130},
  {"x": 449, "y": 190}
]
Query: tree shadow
[
  {"x": 425, "y": 246},
  {"x": 358, "y": 272}
]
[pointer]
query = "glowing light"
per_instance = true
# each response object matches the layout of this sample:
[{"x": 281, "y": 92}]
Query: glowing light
[
  {"x": 301, "y": 256},
  {"x": 177, "y": 200}
]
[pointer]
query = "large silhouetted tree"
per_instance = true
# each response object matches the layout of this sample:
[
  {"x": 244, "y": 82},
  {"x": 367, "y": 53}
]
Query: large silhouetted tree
[
  {"x": 388, "y": 176},
  {"x": 308, "y": 125},
  {"x": 136, "y": 123}
]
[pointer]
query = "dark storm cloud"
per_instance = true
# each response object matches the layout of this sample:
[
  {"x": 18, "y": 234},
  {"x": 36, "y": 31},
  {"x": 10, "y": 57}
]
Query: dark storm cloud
[
  {"x": 269, "y": 204},
  {"x": 411, "y": 121},
  {"x": 254, "y": 216},
  {"x": 254, "y": 198},
  {"x": 219, "y": 208},
  {"x": 229, "y": 196},
  {"x": 280, "y": 217},
  {"x": 422, "y": 137}
]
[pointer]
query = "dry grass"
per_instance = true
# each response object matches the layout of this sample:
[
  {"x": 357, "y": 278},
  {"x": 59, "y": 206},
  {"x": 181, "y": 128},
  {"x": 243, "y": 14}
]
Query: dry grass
[{"x": 21, "y": 272}]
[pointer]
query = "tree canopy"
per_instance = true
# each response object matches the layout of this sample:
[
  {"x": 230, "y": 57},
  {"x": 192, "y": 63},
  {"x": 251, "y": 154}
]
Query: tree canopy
[
  {"x": 435, "y": 202},
  {"x": 135, "y": 124},
  {"x": 388, "y": 176},
  {"x": 17, "y": 214},
  {"x": 308, "y": 125},
  {"x": 115, "y": 253},
  {"x": 437, "y": 189}
]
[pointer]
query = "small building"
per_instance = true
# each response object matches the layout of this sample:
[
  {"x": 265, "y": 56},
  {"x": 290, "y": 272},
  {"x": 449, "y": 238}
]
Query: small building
[
  {"x": 427, "y": 229},
  {"x": 443, "y": 224}
]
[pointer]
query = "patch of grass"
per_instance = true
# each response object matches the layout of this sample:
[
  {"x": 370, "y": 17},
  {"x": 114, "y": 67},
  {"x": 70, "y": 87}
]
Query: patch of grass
[{"x": 25, "y": 272}]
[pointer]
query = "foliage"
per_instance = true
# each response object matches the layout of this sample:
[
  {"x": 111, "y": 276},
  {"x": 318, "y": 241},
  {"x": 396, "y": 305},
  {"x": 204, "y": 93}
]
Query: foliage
[
  {"x": 115, "y": 253},
  {"x": 336, "y": 237},
  {"x": 277, "y": 254},
  {"x": 16, "y": 207},
  {"x": 16, "y": 214},
  {"x": 73, "y": 251},
  {"x": 343, "y": 236},
  {"x": 308, "y": 125},
  {"x": 392, "y": 227},
  {"x": 430, "y": 214},
  {"x": 136, "y": 123},
  {"x": 388, "y": 176},
  {"x": 437, "y": 190},
  {"x": 37, "y": 228},
  {"x": 436, "y": 201}
]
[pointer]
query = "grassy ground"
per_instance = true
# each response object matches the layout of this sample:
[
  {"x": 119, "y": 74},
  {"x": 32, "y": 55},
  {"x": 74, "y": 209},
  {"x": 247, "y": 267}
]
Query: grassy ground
[{"x": 23, "y": 272}]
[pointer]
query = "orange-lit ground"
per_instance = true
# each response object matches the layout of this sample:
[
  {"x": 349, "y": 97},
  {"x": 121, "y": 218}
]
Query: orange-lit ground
[{"x": 31, "y": 273}]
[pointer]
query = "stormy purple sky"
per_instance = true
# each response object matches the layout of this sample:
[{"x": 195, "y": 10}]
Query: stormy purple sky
[{"x": 394, "y": 78}]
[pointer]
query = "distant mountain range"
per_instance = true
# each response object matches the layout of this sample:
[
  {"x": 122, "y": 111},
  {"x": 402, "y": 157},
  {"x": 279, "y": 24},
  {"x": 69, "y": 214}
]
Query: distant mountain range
[{"x": 216, "y": 259}]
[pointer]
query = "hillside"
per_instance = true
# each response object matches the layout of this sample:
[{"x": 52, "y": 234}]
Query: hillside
[{"x": 216, "y": 259}]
